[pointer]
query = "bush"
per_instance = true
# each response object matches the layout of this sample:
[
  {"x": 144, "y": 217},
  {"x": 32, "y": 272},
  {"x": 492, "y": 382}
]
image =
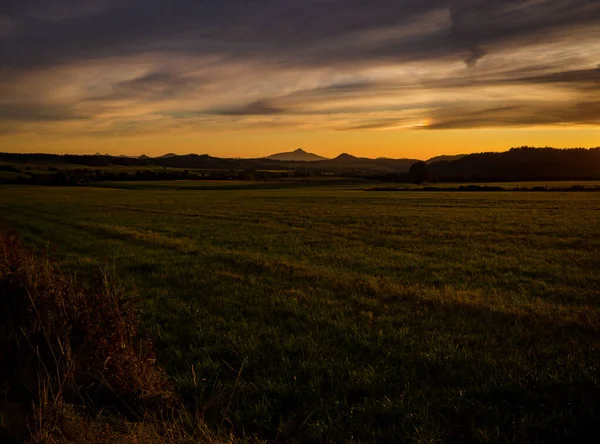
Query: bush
[{"x": 73, "y": 354}]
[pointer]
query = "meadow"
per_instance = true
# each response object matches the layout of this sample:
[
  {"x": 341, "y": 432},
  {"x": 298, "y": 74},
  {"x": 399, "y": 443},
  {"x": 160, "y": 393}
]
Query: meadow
[{"x": 328, "y": 313}]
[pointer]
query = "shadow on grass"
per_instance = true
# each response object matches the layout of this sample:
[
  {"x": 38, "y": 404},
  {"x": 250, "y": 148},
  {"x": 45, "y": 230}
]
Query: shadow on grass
[{"x": 341, "y": 360}]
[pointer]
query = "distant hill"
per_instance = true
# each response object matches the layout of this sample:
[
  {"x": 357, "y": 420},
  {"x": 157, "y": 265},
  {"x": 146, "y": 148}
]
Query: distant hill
[
  {"x": 295, "y": 156},
  {"x": 521, "y": 164},
  {"x": 349, "y": 162},
  {"x": 349, "y": 158},
  {"x": 446, "y": 158},
  {"x": 166, "y": 156},
  {"x": 518, "y": 164}
]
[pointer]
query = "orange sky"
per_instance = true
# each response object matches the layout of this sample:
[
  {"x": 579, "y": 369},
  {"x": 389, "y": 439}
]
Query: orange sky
[
  {"x": 387, "y": 78},
  {"x": 396, "y": 144}
]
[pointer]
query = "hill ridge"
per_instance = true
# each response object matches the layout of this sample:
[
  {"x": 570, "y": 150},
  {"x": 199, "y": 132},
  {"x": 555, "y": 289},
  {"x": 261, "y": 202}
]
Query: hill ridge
[{"x": 298, "y": 155}]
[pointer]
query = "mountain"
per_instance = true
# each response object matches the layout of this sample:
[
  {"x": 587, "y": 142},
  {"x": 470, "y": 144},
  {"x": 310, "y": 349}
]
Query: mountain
[
  {"x": 348, "y": 158},
  {"x": 518, "y": 164},
  {"x": 446, "y": 158},
  {"x": 143, "y": 157},
  {"x": 167, "y": 156},
  {"x": 350, "y": 163},
  {"x": 295, "y": 156}
]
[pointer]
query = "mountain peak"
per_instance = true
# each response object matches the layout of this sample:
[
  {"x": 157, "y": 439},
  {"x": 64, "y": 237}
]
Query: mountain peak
[
  {"x": 345, "y": 156},
  {"x": 298, "y": 155}
]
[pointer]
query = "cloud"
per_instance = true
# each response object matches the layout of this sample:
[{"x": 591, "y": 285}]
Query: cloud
[
  {"x": 7, "y": 28},
  {"x": 60, "y": 10},
  {"x": 374, "y": 125},
  {"x": 152, "y": 86},
  {"x": 260, "y": 107},
  {"x": 345, "y": 64},
  {"x": 39, "y": 113},
  {"x": 525, "y": 115},
  {"x": 308, "y": 32},
  {"x": 583, "y": 79},
  {"x": 479, "y": 23}
]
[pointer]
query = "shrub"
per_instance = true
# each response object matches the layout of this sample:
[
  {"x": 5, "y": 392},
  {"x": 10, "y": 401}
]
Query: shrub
[{"x": 70, "y": 356}]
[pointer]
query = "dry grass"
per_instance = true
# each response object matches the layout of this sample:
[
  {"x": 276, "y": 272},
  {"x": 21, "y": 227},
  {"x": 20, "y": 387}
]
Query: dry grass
[{"x": 72, "y": 366}]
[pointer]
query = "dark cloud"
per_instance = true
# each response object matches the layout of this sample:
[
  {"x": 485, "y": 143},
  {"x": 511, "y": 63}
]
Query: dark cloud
[
  {"x": 583, "y": 79},
  {"x": 6, "y": 26},
  {"x": 528, "y": 114},
  {"x": 236, "y": 28},
  {"x": 258, "y": 108},
  {"x": 303, "y": 32},
  {"x": 475, "y": 53},
  {"x": 39, "y": 113},
  {"x": 157, "y": 85},
  {"x": 477, "y": 23}
]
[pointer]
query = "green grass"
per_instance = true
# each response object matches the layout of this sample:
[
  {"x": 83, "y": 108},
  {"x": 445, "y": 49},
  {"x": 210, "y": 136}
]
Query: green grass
[
  {"x": 507, "y": 185},
  {"x": 345, "y": 183},
  {"x": 53, "y": 167},
  {"x": 189, "y": 185},
  {"x": 334, "y": 314}
]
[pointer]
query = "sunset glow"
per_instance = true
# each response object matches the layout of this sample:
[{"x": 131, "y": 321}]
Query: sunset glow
[{"x": 245, "y": 79}]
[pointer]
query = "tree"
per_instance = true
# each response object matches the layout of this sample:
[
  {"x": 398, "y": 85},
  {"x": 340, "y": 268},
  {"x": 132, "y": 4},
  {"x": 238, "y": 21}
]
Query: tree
[{"x": 419, "y": 172}]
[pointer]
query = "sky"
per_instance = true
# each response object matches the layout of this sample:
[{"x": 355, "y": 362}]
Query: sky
[{"x": 235, "y": 78}]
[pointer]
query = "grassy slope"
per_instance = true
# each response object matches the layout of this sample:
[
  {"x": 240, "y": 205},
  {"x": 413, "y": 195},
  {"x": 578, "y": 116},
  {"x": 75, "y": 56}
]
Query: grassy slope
[{"x": 332, "y": 313}]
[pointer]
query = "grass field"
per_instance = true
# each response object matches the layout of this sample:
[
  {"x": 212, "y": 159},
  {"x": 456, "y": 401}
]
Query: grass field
[
  {"x": 327, "y": 313},
  {"x": 189, "y": 185},
  {"x": 28, "y": 169}
]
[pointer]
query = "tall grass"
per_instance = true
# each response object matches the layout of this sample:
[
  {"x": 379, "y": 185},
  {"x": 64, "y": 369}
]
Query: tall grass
[{"x": 72, "y": 366}]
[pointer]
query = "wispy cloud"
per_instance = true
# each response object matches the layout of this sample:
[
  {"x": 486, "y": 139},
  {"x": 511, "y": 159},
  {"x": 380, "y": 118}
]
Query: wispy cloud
[
  {"x": 260, "y": 107},
  {"x": 37, "y": 113},
  {"x": 131, "y": 66},
  {"x": 529, "y": 114}
]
